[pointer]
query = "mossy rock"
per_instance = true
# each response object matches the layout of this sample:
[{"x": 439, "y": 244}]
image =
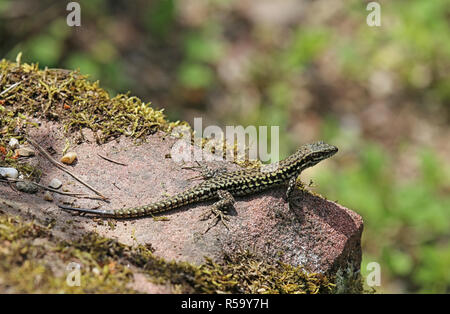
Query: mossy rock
[{"x": 31, "y": 258}]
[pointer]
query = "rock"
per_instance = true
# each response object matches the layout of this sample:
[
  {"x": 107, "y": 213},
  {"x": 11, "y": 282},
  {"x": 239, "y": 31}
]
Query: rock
[
  {"x": 13, "y": 143},
  {"x": 55, "y": 184},
  {"x": 48, "y": 196},
  {"x": 27, "y": 187},
  {"x": 316, "y": 233},
  {"x": 69, "y": 158},
  {"x": 25, "y": 152},
  {"x": 321, "y": 235},
  {"x": 9, "y": 173}
]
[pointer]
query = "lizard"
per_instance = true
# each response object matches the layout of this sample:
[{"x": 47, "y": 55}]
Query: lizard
[{"x": 224, "y": 186}]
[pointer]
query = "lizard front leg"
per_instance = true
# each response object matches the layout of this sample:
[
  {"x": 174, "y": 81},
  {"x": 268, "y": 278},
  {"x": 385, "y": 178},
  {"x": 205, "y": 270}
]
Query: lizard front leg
[
  {"x": 220, "y": 208},
  {"x": 292, "y": 185}
]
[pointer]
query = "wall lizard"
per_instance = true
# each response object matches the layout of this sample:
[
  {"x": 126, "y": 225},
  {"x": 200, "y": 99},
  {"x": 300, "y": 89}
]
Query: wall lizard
[{"x": 224, "y": 186}]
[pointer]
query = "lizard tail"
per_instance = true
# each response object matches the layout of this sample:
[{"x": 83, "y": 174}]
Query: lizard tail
[
  {"x": 176, "y": 201},
  {"x": 97, "y": 212}
]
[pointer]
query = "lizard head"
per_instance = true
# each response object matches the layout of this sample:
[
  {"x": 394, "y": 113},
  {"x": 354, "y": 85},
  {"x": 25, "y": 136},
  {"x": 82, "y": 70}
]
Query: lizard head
[
  {"x": 322, "y": 149},
  {"x": 314, "y": 153}
]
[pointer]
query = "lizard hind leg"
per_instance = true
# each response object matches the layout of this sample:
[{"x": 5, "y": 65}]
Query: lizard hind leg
[{"x": 219, "y": 209}]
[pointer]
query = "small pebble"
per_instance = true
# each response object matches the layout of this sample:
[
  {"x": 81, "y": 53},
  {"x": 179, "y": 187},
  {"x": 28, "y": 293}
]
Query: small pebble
[
  {"x": 69, "y": 158},
  {"x": 55, "y": 184},
  {"x": 27, "y": 187},
  {"x": 9, "y": 173},
  {"x": 25, "y": 152},
  {"x": 48, "y": 196},
  {"x": 13, "y": 143}
]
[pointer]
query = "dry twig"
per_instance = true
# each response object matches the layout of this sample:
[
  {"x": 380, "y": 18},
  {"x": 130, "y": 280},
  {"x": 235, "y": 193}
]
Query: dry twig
[
  {"x": 79, "y": 195},
  {"x": 63, "y": 168},
  {"x": 111, "y": 160}
]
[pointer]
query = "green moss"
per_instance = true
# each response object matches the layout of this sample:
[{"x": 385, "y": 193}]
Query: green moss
[
  {"x": 241, "y": 273},
  {"x": 32, "y": 261},
  {"x": 245, "y": 273},
  {"x": 68, "y": 97}
]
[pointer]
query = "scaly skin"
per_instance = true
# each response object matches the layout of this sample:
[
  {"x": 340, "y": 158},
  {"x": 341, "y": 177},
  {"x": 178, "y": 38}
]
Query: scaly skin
[{"x": 225, "y": 186}]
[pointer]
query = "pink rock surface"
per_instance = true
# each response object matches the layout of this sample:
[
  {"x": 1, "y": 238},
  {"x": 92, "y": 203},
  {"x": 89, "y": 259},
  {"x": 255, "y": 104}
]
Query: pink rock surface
[{"x": 316, "y": 233}]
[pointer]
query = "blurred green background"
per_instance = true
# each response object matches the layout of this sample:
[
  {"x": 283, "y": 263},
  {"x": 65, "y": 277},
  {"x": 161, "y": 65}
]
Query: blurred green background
[{"x": 314, "y": 68}]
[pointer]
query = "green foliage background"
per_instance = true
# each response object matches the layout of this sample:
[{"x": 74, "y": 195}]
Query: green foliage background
[{"x": 381, "y": 94}]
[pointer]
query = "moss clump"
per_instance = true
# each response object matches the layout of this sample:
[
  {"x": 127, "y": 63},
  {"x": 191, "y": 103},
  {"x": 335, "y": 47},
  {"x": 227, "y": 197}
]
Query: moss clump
[
  {"x": 32, "y": 261},
  {"x": 244, "y": 273},
  {"x": 68, "y": 97},
  {"x": 241, "y": 273}
]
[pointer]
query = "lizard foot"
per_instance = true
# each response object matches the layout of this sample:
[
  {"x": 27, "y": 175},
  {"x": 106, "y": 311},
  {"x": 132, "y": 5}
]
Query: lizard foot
[
  {"x": 217, "y": 215},
  {"x": 219, "y": 210}
]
